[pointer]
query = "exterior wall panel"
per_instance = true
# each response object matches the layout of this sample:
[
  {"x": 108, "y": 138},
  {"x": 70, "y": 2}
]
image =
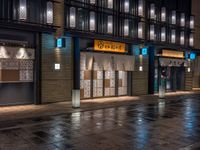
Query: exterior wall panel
[
  {"x": 56, "y": 85},
  {"x": 140, "y": 78}
]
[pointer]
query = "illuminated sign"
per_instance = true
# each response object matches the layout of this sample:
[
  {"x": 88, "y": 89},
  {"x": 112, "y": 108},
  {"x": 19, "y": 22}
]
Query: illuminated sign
[
  {"x": 108, "y": 46},
  {"x": 192, "y": 56},
  {"x": 57, "y": 66},
  {"x": 60, "y": 42},
  {"x": 174, "y": 54},
  {"x": 144, "y": 51}
]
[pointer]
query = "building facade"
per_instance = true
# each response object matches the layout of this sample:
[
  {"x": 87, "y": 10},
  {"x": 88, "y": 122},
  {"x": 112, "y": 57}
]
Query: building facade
[
  {"x": 100, "y": 48},
  {"x": 22, "y": 24}
]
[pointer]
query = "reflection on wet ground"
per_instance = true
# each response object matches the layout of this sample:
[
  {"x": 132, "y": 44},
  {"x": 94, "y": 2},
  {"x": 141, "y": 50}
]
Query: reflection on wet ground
[{"x": 157, "y": 125}]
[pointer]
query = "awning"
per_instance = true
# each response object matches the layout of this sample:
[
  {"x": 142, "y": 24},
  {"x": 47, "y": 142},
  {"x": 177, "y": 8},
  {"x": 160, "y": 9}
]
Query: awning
[
  {"x": 109, "y": 61},
  {"x": 164, "y": 62},
  {"x": 124, "y": 62},
  {"x": 89, "y": 61},
  {"x": 106, "y": 62}
]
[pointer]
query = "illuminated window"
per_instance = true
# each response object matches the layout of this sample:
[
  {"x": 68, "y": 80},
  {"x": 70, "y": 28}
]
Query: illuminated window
[
  {"x": 49, "y": 12},
  {"x": 110, "y": 4},
  {"x": 182, "y": 23},
  {"x": 191, "y": 22},
  {"x": 92, "y": 21},
  {"x": 72, "y": 18},
  {"x": 140, "y": 7},
  {"x": 22, "y": 10},
  {"x": 140, "y": 30},
  {"x": 110, "y": 25},
  {"x": 152, "y": 32},
  {"x": 163, "y": 34},
  {"x": 173, "y": 36},
  {"x": 126, "y": 6},
  {"x": 93, "y": 2},
  {"x": 191, "y": 39},
  {"x": 182, "y": 38},
  {"x": 163, "y": 14},
  {"x": 126, "y": 27},
  {"x": 152, "y": 11},
  {"x": 173, "y": 17}
]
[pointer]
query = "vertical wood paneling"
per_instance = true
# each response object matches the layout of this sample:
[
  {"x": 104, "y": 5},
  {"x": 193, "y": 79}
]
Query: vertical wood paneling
[{"x": 140, "y": 78}]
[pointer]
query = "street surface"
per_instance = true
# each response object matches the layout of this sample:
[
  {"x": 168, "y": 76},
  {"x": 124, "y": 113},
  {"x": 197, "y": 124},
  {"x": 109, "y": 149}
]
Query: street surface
[{"x": 157, "y": 125}]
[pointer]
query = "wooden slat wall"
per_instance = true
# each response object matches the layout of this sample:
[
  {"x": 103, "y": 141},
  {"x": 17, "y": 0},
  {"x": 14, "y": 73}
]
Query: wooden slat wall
[
  {"x": 196, "y": 77},
  {"x": 140, "y": 78},
  {"x": 56, "y": 85},
  {"x": 188, "y": 80}
]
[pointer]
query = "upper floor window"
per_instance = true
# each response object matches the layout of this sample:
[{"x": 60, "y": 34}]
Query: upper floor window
[
  {"x": 92, "y": 21},
  {"x": 163, "y": 34},
  {"x": 152, "y": 11},
  {"x": 152, "y": 32},
  {"x": 22, "y": 9},
  {"x": 93, "y": 2},
  {"x": 173, "y": 36},
  {"x": 110, "y": 4},
  {"x": 141, "y": 30},
  {"x": 49, "y": 12},
  {"x": 126, "y": 6},
  {"x": 182, "y": 22},
  {"x": 72, "y": 17},
  {"x": 191, "y": 39},
  {"x": 191, "y": 22},
  {"x": 126, "y": 27},
  {"x": 173, "y": 17},
  {"x": 140, "y": 8},
  {"x": 163, "y": 14},
  {"x": 82, "y": 19},
  {"x": 110, "y": 24},
  {"x": 182, "y": 38}
]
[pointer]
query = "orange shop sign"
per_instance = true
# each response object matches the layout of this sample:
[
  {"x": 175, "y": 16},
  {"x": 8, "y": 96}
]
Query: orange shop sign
[
  {"x": 174, "y": 54},
  {"x": 109, "y": 46}
]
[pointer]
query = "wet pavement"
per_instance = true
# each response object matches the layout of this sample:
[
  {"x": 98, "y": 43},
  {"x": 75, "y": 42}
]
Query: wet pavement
[{"x": 157, "y": 125}]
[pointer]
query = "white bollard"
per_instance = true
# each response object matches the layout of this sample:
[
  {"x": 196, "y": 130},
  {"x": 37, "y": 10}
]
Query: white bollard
[
  {"x": 162, "y": 89},
  {"x": 76, "y": 98}
]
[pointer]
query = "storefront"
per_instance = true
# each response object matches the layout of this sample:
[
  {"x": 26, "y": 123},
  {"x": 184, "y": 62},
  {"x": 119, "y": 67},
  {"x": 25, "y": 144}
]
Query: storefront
[
  {"x": 18, "y": 67},
  {"x": 171, "y": 66},
  {"x": 105, "y": 70},
  {"x": 16, "y": 75}
]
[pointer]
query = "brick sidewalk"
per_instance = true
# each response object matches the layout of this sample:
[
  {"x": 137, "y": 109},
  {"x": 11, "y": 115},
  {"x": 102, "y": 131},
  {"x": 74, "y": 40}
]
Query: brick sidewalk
[{"x": 28, "y": 111}]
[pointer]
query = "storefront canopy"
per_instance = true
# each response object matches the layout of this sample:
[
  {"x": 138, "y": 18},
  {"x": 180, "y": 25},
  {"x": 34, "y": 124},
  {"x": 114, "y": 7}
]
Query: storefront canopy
[{"x": 109, "y": 61}]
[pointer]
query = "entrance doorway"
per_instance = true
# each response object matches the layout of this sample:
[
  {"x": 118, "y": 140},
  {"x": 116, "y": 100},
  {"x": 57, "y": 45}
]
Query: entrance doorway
[
  {"x": 101, "y": 79},
  {"x": 174, "y": 78},
  {"x": 16, "y": 75}
]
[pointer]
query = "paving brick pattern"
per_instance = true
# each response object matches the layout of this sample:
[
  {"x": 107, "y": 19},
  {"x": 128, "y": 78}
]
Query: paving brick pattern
[{"x": 157, "y": 125}]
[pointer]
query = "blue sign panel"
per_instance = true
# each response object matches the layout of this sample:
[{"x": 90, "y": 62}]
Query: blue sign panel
[
  {"x": 60, "y": 42},
  {"x": 192, "y": 56},
  {"x": 144, "y": 51}
]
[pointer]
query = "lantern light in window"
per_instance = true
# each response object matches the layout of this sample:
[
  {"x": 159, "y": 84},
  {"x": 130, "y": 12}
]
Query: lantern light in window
[{"x": 22, "y": 9}]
